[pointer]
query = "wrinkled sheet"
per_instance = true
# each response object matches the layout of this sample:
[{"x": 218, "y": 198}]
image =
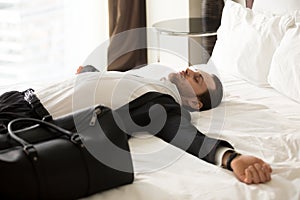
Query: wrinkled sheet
[{"x": 256, "y": 121}]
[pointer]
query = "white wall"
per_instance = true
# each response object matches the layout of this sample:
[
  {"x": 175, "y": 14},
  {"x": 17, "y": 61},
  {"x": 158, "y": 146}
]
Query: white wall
[
  {"x": 86, "y": 28},
  {"x": 159, "y": 10},
  {"x": 239, "y": 1}
]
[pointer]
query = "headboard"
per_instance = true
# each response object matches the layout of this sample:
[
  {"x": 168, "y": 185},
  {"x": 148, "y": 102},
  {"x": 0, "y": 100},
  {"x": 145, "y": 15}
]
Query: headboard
[{"x": 249, "y": 3}]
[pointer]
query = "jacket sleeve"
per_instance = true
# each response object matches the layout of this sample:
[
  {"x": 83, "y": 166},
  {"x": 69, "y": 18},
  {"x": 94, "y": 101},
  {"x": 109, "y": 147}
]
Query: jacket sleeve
[{"x": 173, "y": 125}]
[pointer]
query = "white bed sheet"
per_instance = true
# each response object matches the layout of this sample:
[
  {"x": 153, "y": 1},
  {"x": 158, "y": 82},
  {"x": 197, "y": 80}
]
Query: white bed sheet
[{"x": 257, "y": 121}]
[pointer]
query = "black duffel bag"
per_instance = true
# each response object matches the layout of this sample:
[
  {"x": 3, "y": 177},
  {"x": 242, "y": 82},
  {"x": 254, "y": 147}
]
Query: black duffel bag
[
  {"x": 81, "y": 154},
  {"x": 15, "y": 104}
]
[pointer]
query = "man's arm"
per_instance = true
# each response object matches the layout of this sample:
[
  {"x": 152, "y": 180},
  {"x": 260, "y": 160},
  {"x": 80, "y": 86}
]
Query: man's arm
[{"x": 178, "y": 131}]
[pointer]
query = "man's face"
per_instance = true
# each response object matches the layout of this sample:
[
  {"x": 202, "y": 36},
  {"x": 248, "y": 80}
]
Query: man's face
[{"x": 192, "y": 83}]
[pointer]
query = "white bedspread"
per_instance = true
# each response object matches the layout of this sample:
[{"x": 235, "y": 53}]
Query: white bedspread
[{"x": 257, "y": 121}]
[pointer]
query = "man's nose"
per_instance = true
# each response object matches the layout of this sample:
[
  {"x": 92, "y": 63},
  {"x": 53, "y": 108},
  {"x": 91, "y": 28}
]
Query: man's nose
[{"x": 189, "y": 72}]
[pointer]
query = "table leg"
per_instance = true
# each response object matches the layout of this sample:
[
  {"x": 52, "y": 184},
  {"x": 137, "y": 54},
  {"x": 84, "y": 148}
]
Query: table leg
[{"x": 158, "y": 45}]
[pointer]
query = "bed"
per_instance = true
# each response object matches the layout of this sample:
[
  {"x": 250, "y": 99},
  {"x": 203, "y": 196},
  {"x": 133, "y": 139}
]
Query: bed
[
  {"x": 254, "y": 123},
  {"x": 257, "y": 116}
]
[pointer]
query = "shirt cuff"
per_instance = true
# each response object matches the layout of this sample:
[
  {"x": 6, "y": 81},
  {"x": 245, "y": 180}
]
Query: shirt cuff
[{"x": 219, "y": 155}]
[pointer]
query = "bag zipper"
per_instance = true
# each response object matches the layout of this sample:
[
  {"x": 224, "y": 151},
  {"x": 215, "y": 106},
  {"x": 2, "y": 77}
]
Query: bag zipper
[{"x": 96, "y": 112}]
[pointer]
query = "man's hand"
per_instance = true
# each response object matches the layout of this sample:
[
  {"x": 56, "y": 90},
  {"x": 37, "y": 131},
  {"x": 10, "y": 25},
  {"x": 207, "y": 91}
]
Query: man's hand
[{"x": 251, "y": 170}]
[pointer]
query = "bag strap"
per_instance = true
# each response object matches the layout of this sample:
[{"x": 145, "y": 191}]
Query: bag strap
[
  {"x": 35, "y": 103},
  {"x": 31, "y": 152},
  {"x": 29, "y": 148}
]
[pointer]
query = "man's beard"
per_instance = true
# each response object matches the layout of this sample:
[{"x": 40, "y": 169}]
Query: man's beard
[{"x": 182, "y": 85}]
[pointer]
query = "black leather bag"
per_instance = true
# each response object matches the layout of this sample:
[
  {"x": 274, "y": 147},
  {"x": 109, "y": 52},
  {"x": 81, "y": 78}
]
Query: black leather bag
[
  {"x": 77, "y": 155},
  {"x": 15, "y": 104}
]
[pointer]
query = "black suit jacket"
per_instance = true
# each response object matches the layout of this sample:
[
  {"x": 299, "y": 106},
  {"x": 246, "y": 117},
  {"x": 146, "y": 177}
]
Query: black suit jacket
[{"x": 162, "y": 116}]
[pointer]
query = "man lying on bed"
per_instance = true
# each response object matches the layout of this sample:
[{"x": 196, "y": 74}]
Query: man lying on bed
[{"x": 198, "y": 90}]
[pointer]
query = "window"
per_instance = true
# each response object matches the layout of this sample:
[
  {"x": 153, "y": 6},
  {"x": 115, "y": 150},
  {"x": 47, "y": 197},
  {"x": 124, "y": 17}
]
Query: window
[
  {"x": 31, "y": 36},
  {"x": 48, "y": 39},
  {"x": 31, "y": 31}
]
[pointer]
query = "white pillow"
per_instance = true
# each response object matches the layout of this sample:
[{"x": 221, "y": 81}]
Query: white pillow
[
  {"x": 246, "y": 42},
  {"x": 284, "y": 73},
  {"x": 276, "y": 6}
]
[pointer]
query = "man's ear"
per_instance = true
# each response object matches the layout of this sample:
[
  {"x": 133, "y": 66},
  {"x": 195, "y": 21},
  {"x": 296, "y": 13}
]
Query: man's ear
[{"x": 194, "y": 103}]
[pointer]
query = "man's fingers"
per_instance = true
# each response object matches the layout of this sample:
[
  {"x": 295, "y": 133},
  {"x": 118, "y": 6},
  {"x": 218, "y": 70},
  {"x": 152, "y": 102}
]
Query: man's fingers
[
  {"x": 268, "y": 167},
  {"x": 254, "y": 173},
  {"x": 258, "y": 173},
  {"x": 248, "y": 177},
  {"x": 268, "y": 170},
  {"x": 261, "y": 172},
  {"x": 79, "y": 69}
]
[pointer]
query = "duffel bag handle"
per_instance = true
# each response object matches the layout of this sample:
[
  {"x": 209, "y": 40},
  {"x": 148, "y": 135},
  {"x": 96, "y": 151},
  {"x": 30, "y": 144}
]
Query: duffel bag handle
[{"x": 27, "y": 147}]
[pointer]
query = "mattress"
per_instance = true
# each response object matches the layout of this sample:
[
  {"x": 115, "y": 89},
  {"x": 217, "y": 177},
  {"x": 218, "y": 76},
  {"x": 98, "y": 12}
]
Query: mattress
[{"x": 256, "y": 121}]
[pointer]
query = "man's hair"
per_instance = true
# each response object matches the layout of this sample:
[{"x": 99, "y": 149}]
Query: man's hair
[{"x": 212, "y": 98}]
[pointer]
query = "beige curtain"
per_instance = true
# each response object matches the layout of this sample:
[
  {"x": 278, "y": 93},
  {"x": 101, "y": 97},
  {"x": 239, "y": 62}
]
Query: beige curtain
[{"x": 127, "y": 48}]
